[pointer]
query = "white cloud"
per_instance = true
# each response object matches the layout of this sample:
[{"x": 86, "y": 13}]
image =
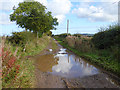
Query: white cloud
[
  {"x": 8, "y": 5},
  {"x": 60, "y": 17},
  {"x": 101, "y": 12},
  {"x": 94, "y": 0},
  {"x": 44, "y": 2},
  {"x": 6, "y": 8},
  {"x": 4, "y": 18},
  {"x": 63, "y": 66},
  {"x": 59, "y": 8}
]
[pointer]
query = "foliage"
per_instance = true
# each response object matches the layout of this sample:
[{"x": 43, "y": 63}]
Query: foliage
[
  {"x": 77, "y": 35},
  {"x": 21, "y": 38},
  {"x": 107, "y": 38},
  {"x": 25, "y": 78},
  {"x": 64, "y": 35},
  {"x": 103, "y": 49},
  {"x": 70, "y": 40},
  {"x": 82, "y": 43},
  {"x": 10, "y": 69},
  {"x": 33, "y": 16},
  {"x": 104, "y": 62},
  {"x": 61, "y": 36},
  {"x": 49, "y": 33}
]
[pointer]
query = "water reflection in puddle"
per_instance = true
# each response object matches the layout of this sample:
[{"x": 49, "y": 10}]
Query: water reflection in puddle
[{"x": 65, "y": 64}]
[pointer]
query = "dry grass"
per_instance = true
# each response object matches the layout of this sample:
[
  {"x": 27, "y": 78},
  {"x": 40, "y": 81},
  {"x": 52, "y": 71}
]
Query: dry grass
[{"x": 82, "y": 44}]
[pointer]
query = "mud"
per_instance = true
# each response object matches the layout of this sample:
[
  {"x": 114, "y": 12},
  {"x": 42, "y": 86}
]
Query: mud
[{"x": 44, "y": 79}]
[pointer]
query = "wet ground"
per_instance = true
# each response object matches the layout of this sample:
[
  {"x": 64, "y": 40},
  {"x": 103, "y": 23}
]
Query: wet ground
[
  {"x": 63, "y": 69},
  {"x": 65, "y": 64}
]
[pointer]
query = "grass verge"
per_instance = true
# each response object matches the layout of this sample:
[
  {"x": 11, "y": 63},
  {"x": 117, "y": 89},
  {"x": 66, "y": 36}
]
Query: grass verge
[
  {"x": 25, "y": 78},
  {"x": 103, "y": 62}
]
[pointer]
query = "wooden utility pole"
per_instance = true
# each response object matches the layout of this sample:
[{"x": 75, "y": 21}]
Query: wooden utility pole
[
  {"x": 67, "y": 26},
  {"x": 119, "y": 13}
]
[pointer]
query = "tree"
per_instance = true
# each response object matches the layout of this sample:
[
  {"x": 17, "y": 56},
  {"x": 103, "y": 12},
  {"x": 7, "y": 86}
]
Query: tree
[{"x": 33, "y": 17}]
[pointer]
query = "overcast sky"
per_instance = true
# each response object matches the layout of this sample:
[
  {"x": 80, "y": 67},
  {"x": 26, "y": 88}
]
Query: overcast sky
[{"x": 85, "y": 16}]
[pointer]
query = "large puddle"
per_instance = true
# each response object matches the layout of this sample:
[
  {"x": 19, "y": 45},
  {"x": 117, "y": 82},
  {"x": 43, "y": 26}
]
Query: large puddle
[{"x": 65, "y": 64}]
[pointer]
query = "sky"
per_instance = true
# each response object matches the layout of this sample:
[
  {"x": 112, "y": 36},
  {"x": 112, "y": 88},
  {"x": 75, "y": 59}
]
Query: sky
[{"x": 85, "y": 16}]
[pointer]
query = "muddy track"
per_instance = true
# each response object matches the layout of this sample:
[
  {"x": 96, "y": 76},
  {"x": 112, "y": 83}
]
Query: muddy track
[{"x": 46, "y": 80}]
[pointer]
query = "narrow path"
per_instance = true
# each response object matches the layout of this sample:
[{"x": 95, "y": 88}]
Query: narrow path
[{"x": 46, "y": 80}]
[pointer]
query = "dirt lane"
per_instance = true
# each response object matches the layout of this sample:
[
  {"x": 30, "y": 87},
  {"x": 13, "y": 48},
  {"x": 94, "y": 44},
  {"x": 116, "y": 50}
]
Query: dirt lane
[{"x": 46, "y": 80}]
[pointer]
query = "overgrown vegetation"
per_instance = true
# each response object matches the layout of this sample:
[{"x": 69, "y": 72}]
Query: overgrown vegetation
[
  {"x": 61, "y": 36},
  {"x": 102, "y": 49},
  {"x": 18, "y": 71},
  {"x": 108, "y": 42},
  {"x": 107, "y": 38},
  {"x": 21, "y": 38}
]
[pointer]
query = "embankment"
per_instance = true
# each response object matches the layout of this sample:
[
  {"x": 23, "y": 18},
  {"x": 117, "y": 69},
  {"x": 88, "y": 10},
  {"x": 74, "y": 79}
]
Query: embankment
[{"x": 22, "y": 77}]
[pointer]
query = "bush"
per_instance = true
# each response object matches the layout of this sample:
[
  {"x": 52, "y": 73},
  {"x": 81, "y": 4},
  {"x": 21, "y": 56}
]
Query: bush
[
  {"x": 107, "y": 38},
  {"x": 116, "y": 53},
  {"x": 71, "y": 40},
  {"x": 20, "y": 38},
  {"x": 61, "y": 37},
  {"x": 77, "y": 35},
  {"x": 81, "y": 44},
  {"x": 64, "y": 35},
  {"x": 49, "y": 33}
]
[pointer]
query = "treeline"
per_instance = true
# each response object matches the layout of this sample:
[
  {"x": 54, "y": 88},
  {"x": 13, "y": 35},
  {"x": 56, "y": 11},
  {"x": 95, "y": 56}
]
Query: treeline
[{"x": 102, "y": 49}]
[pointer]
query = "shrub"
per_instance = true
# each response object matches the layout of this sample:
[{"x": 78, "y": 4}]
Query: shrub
[
  {"x": 107, "y": 38},
  {"x": 64, "y": 35},
  {"x": 49, "y": 33},
  {"x": 71, "y": 40},
  {"x": 81, "y": 44},
  {"x": 20, "y": 38},
  {"x": 116, "y": 53},
  {"x": 77, "y": 35},
  {"x": 10, "y": 69}
]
